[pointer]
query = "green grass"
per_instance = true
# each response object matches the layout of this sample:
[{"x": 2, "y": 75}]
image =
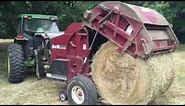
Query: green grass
[{"x": 181, "y": 47}]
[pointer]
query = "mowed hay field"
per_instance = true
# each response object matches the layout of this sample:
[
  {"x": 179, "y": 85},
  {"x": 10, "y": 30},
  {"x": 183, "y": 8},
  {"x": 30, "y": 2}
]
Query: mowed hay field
[
  {"x": 45, "y": 91},
  {"x": 175, "y": 95},
  {"x": 31, "y": 91}
]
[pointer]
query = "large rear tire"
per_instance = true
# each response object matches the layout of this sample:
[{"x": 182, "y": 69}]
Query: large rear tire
[
  {"x": 81, "y": 91},
  {"x": 15, "y": 63}
]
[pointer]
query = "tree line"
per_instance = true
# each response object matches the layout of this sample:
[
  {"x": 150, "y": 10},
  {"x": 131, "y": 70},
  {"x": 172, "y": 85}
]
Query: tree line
[{"x": 72, "y": 11}]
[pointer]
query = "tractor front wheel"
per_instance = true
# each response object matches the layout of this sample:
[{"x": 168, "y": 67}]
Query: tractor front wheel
[
  {"x": 15, "y": 63},
  {"x": 63, "y": 96},
  {"x": 81, "y": 91}
]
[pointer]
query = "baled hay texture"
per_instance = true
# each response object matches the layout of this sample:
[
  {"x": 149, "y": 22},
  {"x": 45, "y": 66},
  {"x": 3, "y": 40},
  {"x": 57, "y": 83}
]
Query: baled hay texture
[
  {"x": 175, "y": 95},
  {"x": 122, "y": 79}
]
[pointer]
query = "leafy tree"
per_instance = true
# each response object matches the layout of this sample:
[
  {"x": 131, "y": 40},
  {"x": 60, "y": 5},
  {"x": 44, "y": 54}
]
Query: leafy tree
[{"x": 72, "y": 11}]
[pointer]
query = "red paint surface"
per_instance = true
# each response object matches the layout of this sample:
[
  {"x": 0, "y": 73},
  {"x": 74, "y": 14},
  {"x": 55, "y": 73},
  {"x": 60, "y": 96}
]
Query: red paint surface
[
  {"x": 113, "y": 28},
  {"x": 148, "y": 16}
]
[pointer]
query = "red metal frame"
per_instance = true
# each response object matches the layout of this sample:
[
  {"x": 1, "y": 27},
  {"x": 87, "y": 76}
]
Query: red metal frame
[
  {"x": 111, "y": 23},
  {"x": 115, "y": 33},
  {"x": 73, "y": 48}
]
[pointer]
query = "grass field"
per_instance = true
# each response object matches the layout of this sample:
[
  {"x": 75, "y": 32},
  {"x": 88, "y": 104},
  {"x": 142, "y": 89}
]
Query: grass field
[
  {"x": 31, "y": 91},
  {"x": 45, "y": 91}
]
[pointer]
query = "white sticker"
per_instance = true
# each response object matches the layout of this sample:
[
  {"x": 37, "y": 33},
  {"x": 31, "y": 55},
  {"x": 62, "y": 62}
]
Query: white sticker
[
  {"x": 58, "y": 47},
  {"x": 53, "y": 46},
  {"x": 84, "y": 47},
  {"x": 129, "y": 29}
]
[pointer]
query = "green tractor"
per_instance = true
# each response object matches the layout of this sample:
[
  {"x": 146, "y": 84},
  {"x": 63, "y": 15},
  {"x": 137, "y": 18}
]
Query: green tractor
[{"x": 31, "y": 48}]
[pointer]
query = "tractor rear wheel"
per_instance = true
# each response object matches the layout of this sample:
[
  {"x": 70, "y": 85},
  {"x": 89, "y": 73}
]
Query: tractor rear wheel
[
  {"x": 15, "y": 63},
  {"x": 81, "y": 91}
]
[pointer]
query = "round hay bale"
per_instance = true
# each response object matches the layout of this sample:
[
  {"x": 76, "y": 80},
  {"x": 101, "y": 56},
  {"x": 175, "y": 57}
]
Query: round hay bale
[
  {"x": 175, "y": 95},
  {"x": 123, "y": 79}
]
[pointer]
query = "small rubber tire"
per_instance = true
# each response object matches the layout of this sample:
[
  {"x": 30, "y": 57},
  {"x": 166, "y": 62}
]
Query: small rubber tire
[
  {"x": 63, "y": 96},
  {"x": 87, "y": 89}
]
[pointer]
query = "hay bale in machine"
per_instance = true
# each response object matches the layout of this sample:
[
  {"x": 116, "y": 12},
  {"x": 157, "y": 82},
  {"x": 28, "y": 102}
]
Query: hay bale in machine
[{"x": 143, "y": 33}]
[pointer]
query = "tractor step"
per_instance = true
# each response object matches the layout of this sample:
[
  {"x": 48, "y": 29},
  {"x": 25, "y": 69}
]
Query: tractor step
[{"x": 56, "y": 77}]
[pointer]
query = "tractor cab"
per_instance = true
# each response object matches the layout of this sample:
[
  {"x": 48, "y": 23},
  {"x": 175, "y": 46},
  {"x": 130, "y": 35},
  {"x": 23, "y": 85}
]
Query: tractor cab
[{"x": 31, "y": 24}]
